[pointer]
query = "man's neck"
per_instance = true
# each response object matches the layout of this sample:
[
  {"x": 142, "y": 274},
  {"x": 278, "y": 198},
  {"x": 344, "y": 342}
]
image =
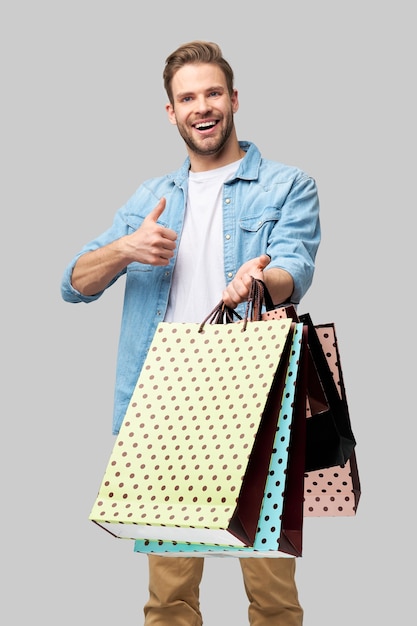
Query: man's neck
[{"x": 202, "y": 163}]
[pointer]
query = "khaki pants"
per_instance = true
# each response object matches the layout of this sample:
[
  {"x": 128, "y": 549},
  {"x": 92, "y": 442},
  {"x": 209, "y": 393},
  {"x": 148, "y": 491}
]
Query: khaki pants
[{"x": 174, "y": 591}]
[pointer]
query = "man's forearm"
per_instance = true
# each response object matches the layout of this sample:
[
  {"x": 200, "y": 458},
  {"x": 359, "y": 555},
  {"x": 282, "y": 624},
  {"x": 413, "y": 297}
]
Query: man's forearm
[
  {"x": 94, "y": 270},
  {"x": 279, "y": 284}
]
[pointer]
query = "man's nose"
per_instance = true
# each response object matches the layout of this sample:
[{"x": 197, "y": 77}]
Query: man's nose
[{"x": 203, "y": 105}]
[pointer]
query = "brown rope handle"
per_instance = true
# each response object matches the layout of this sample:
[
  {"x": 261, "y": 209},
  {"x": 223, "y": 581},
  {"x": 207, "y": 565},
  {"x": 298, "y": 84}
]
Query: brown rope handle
[
  {"x": 258, "y": 297},
  {"x": 221, "y": 314}
]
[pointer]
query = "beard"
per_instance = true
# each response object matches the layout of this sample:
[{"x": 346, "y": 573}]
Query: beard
[{"x": 206, "y": 146}]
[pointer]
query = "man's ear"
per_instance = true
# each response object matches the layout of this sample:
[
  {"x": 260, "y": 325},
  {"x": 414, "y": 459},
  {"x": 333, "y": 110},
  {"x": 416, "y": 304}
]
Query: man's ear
[
  {"x": 171, "y": 113},
  {"x": 235, "y": 100}
]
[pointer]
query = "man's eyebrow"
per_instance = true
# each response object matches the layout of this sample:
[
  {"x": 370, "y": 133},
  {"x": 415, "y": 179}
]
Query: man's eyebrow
[
  {"x": 216, "y": 88},
  {"x": 183, "y": 94}
]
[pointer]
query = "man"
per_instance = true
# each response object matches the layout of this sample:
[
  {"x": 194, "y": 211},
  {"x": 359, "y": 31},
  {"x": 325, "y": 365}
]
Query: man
[{"x": 184, "y": 241}]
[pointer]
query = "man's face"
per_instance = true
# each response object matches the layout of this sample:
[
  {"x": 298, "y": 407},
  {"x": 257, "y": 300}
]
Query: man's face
[{"x": 202, "y": 108}]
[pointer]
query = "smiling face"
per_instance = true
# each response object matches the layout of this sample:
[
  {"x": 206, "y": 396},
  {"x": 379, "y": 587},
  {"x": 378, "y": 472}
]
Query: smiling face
[{"x": 203, "y": 111}]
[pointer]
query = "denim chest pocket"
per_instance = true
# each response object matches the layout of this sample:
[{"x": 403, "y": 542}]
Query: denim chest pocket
[
  {"x": 138, "y": 267},
  {"x": 134, "y": 220},
  {"x": 265, "y": 218}
]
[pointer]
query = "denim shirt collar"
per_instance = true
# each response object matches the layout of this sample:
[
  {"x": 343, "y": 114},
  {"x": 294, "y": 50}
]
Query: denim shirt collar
[{"x": 248, "y": 169}]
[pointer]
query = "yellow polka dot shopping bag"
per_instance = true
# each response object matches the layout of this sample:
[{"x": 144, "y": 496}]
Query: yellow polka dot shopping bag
[
  {"x": 279, "y": 531},
  {"x": 214, "y": 431}
]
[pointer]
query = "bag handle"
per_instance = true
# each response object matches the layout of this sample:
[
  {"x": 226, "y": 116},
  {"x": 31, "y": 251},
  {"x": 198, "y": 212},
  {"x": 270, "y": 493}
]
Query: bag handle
[
  {"x": 258, "y": 297},
  {"x": 221, "y": 314}
]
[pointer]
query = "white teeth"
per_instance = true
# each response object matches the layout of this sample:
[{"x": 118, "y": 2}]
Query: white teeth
[{"x": 205, "y": 125}]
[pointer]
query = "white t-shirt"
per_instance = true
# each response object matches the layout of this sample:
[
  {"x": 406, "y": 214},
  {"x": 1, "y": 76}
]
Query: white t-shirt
[{"x": 198, "y": 279}]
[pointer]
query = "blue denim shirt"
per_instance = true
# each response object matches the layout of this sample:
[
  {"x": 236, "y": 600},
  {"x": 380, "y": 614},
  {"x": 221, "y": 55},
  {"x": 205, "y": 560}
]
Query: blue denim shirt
[{"x": 267, "y": 208}]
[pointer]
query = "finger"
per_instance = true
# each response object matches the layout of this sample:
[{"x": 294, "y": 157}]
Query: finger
[
  {"x": 235, "y": 292},
  {"x": 264, "y": 260},
  {"x": 257, "y": 269},
  {"x": 156, "y": 213}
]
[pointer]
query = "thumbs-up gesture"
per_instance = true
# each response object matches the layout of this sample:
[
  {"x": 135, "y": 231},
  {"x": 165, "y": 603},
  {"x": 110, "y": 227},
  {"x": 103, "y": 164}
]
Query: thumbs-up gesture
[{"x": 152, "y": 243}]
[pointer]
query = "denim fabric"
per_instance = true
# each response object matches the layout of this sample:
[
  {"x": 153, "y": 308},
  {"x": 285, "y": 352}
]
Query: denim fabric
[{"x": 268, "y": 208}]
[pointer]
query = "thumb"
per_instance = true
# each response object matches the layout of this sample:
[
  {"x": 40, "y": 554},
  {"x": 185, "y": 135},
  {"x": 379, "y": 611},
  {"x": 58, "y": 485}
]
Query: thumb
[
  {"x": 156, "y": 213},
  {"x": 264, "y": 260}
]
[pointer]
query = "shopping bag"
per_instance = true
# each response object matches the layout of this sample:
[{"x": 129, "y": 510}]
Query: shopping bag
[
  {"x": 330, "y": 440},
  {"x": 280, "y": 522},
  {"x": 207, "y": 401},
  {"x": 332, "y": 484},
  {"x": 333, "y": 491}
]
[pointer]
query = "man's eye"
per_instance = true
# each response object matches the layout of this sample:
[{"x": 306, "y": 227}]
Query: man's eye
[{"x": 187, "y": 99}]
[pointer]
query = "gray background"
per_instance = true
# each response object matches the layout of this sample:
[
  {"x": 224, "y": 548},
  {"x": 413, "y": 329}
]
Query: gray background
[{"x": 326, "y": 86}]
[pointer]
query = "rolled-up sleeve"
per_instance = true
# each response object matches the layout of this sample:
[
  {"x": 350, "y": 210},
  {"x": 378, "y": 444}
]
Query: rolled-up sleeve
[
  {"x": 295, "y": 239},
  {"x": 118, "y": 228}
]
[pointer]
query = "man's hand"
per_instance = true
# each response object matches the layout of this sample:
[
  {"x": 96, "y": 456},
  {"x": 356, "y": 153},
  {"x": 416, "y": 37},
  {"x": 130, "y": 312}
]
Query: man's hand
[
  {"x": 151, "y": 243},
  {"x": 238, "y": 289}
]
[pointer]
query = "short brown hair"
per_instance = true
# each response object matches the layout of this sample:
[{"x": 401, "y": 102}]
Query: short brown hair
[{"x": 196, "y": 52}]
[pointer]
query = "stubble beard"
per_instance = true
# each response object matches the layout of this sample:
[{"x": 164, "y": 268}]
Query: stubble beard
[{"x": 208, "y": 146}]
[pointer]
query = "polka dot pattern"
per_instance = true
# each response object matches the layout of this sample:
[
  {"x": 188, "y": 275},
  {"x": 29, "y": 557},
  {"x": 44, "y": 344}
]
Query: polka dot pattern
[
  {"x": 181, "y": 454},
  {"x": 329, "y": 492},
  {"x": 269, "y": 529},
  {"x": 333, "y": 491}
]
